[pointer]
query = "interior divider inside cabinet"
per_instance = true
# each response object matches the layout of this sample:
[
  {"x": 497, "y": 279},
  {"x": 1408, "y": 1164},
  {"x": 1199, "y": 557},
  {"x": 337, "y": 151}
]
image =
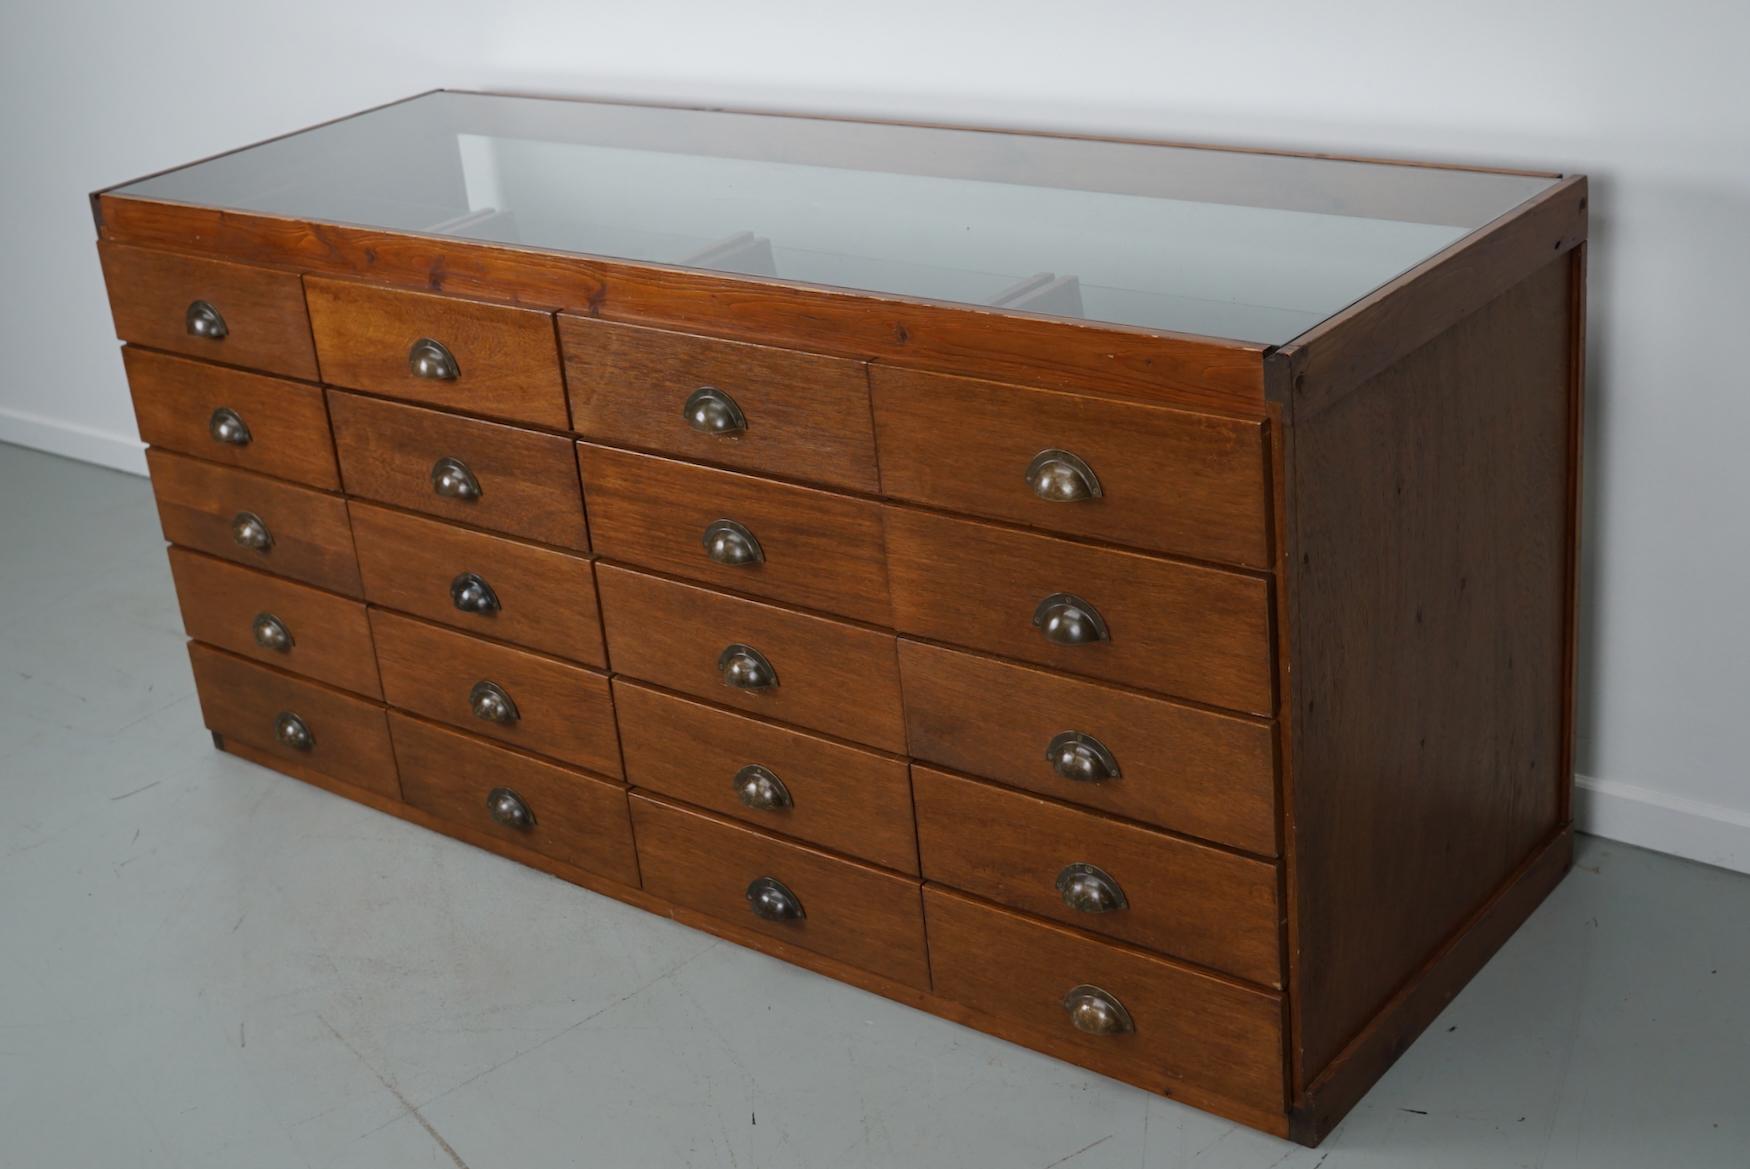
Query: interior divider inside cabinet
[
  {"x": 742, "y": 252},
  {"x": 1044, "y": 292}
]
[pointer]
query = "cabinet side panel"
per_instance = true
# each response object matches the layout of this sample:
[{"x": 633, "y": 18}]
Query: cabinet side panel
[{"x": 1430, "y": 557}]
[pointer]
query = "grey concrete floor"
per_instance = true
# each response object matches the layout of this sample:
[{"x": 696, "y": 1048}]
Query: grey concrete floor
[{"x": 205, "y": 964}]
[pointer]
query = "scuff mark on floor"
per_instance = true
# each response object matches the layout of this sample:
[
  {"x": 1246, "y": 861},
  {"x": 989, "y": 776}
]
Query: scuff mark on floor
[
  {"x": 1081, "y": 1150},
  {"x": 389, "y": 1085}
]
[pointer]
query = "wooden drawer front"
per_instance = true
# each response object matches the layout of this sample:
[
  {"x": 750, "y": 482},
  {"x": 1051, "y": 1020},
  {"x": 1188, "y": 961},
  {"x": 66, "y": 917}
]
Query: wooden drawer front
[
  {"x": 151, "y": 295},
  {"x": 1183, "y": 898},
  {"x": 561, "y": 710},
  {"x": 852, "y": 912},
  {"x": 1170, "y": 480},
  {"x": 348, "y": 736},
  {"x": 829, "y": 793},
  {"x": 527, "y": 480},
  {"x": 188, "y": 406},
  {"x": 1192, "y": 770},
  {"x": 816, "y": 549},
  {"x": 833, "y": 677},
  {"x": 1199, "y": 633},
  {"x": 803, "y": 416},
  {"x": 576, "y": 818},
  {"x": 505, "y": 356},
  {"x": 538, "y": 597},
  {"x": 325, "y": 637},
  {"x": 1194, "y": 1032},
  {"x": 202, "y": 505}
]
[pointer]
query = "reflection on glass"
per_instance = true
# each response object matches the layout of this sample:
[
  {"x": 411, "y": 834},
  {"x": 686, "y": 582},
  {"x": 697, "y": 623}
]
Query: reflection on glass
[{"x": 1253, "y": 247}]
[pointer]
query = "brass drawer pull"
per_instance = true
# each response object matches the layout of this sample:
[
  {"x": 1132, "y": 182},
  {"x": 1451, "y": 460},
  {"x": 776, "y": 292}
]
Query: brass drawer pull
[
  {"x": 760, "y": 790},
  {"x": 709, "y": 410},
  {"x": 471, "y": 594},
  {"x": 1061, "y": 477},
  {"x": 452, "y": 479},
  {"x": 248, "y": 531},
  {"x": 271, "y": 633},
  {"x": 730, "y": 543},
  {"x": 491, "y": 704},
  {"x": 430, "y": 359},
  {"x": 771, "y": 899},
  {"x": 1086, "y": 888},
  {"x": 1066, "y": 619},
  {"x": 293, "y": 731},
  {"x": 228, "y": 427},
  {"x": 1082, "y": 758},
  {"x": 203, "y": 320},
  {"x": 745, "y": 668},
  {"x": 1097, "y": 1012},
  {"x": 508, "y": 808}
]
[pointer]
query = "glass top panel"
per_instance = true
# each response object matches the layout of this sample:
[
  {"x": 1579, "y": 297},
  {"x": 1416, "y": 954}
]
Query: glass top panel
[{"x": 1246, "y": 246}]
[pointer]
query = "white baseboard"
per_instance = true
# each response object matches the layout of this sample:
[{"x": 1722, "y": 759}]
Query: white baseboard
[
  {"x": 1662, "y": 822},
  {"x": 122, "y": 452}
]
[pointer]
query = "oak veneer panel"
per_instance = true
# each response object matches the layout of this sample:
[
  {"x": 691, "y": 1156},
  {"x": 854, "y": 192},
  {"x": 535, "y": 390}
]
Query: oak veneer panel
[
  {"x": 807, "y": 414},
  {"x": 199, "y": 501},
  {"x": 1186, "y": 899},
  {"x": 565, "y": 711},
  {"x": 506, "y": 355},
  {"x": 1192, "y": 770},
  {"x": 546, "y": 598},
  {"x": 1171, "y": 480},
  {"x": 855, "y": 913},
  {"x": 1195, "y": 1032},
  {"x": 174, "y": 402},
  {"x": 1429, "y": 599},
  {"x": 528, "y": 480},
  {"x": 331, "y": 636},
  {"x": 821, "y": 550},
  {"x": 1182, "y": 629},
  {"x": 580, "y": 819},
  {"x": 243, "y": 701},
  {"x": 263, "y": 308},
  {"x": 832, "y": 676},
  {"x": 846, "y": 798}
]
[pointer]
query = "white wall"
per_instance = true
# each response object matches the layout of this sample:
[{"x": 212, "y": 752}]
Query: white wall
[{"x": 1649, "y": 99}]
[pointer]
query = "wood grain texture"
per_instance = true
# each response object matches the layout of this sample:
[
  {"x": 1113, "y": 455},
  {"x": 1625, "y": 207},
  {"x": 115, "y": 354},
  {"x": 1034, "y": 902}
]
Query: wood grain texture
[
  {"x": 528, "y": 480},
  {"x": 1196, "y": 1033},
  {"x": 1195, "y": 902},
  {"x": 263, "y": 308},
  {"x": 855, "y": 913},
  {"x": 1172, "y": 480},
  {"x": 565, "y": 711},
  {"x": 807, "y": 414},
  {"x": 821, "y": 550},
  {"x": 546, "y": 598},
  {"x": 1191, "y": 770},
  {"x": 848, "y": 799},
  {"x": 1429, "y": 585},
  {"x": 174, "y": 402},
  {"x": 331, "y": 636},
  {"x": 832, "y": 676},
  {"x": 243, "y": 701},
  {"x": 312, "y": 539},
  {"x": 507, "y": 356},
  {"x": 580, "y": 819},
  {"x": 1149, "y": 365},
  {"x": 1182, "y": 629},
  {"x": 1367, "y": 1057}
]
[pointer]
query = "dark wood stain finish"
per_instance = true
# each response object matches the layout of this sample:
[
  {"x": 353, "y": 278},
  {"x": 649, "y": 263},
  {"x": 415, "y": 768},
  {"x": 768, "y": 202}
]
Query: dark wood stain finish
[
  {"x": 820, "y": 550},
  {"x": 199, "y": 502},
  {"x": 528, "y": 480},
  {"x": 546, "y": 598},
  {"x": 807, "y": 414},
  {"x": 174, "y": 403}
]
